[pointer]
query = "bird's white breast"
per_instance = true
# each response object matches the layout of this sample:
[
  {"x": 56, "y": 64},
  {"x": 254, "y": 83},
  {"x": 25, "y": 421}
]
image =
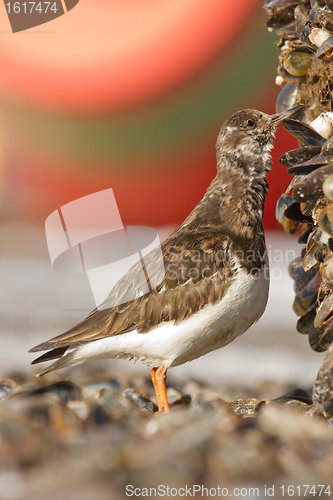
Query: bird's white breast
[{"x": 212, "y": 327}]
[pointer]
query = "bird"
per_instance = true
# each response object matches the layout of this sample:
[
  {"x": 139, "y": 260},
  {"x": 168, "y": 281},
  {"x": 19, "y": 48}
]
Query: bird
[{"x": 215, "y": 278}]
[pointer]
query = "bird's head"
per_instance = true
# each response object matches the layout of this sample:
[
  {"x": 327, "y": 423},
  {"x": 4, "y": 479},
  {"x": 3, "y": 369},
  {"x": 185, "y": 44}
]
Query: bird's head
[{"x": 250, "y": 132}]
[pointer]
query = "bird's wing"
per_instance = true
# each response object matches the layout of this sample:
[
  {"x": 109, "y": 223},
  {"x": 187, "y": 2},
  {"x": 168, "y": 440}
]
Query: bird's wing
[{"x": 196, "y": 270}]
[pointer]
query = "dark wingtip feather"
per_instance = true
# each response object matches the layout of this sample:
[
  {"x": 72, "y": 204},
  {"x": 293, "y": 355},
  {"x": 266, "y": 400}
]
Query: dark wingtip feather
[
  {"x": 54, "y": 354},
  {"x": 60, "y": 363}
]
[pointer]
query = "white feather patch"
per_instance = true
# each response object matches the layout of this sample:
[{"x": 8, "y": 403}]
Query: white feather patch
[{"x": 212, "y": 327}]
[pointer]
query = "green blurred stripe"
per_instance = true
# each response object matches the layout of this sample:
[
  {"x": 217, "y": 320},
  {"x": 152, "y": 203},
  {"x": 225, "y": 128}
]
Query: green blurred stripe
[{"x": 161, "y": 127}]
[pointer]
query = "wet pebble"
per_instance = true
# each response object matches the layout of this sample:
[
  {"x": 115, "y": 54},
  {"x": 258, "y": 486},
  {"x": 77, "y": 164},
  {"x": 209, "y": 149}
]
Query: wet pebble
[
  {"x": 248, "y": 407},
  {"x": 7, "y": 387},
  {"x": 140, "y": 401}
]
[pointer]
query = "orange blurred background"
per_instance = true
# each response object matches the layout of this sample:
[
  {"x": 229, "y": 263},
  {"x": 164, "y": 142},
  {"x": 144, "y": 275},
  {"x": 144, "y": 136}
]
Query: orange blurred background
[{"x": 130, "y": 95}]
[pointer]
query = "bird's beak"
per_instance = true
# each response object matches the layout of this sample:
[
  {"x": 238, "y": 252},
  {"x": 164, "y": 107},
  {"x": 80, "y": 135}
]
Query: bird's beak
[{"x": 278, "y": 118}]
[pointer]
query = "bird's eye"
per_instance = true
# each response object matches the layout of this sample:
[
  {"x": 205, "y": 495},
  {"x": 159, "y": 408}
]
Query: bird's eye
[{"x": 250, "y": 123}]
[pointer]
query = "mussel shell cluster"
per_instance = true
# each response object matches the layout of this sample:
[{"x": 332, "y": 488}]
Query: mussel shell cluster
[{"x": 305, "y": 71}]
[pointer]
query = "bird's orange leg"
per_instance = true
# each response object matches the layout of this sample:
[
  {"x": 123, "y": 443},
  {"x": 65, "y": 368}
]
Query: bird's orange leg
[{"x": 158, "y": 376}]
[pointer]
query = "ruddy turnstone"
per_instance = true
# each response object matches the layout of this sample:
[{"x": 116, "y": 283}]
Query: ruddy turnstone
[{"x": 215, "y": 284}]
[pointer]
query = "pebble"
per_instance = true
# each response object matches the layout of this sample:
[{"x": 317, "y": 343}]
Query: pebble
[{"x": 97, "y": 435}]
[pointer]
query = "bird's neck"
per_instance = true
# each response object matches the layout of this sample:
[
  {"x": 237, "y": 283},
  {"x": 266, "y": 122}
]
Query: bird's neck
[{"x": 235, "y": 199}]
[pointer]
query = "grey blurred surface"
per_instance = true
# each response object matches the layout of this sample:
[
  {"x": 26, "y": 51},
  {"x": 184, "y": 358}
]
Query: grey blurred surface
[{"x": 38, "y": 302}]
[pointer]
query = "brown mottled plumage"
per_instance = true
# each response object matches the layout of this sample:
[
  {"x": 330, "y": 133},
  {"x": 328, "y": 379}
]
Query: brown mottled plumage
[{"x": 219, "y": 247}]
